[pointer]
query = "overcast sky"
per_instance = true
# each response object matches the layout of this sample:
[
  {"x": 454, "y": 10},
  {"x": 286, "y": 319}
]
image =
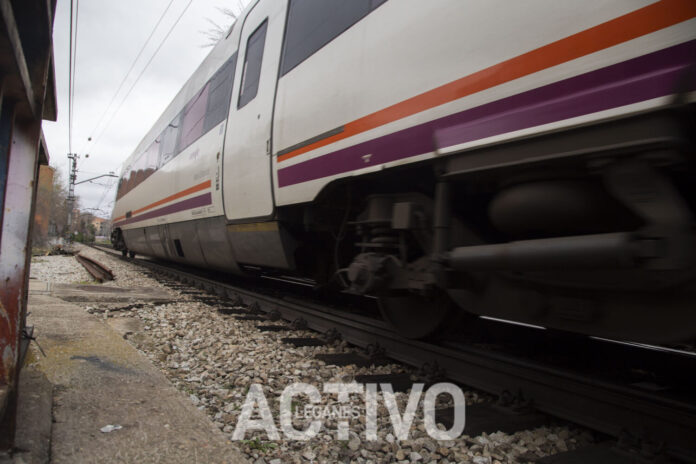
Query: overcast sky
[{"x": 110, "y": 35}]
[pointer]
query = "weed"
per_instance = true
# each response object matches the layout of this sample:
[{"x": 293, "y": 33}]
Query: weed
[{"x": 259, "y": 445}]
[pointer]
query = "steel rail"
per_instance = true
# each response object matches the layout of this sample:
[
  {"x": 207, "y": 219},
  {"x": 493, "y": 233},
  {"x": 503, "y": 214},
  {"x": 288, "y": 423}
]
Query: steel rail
[
  {"x": 95, "y": 268},
  {"x": 615, "y": 409}
]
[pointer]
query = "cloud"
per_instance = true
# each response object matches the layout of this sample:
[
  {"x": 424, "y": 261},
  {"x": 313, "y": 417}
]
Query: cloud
[{"x": 110, "y": 34}]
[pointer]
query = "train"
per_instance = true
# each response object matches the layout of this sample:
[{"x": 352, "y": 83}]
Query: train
[{"x": 526, "y": 161}]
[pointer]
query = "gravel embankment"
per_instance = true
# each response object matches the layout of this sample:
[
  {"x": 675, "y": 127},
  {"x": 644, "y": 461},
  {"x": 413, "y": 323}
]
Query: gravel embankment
[
  {"x": 65, "y": 269},
  {"x": 58, "y": 269},
  {"x": 215, "y": 358}
]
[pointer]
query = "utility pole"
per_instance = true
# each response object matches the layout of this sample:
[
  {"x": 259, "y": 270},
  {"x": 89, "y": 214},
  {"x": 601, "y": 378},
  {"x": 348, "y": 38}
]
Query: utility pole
[
  {"x": 72, "y": 182},
  {"x": 72, "y": 177}
]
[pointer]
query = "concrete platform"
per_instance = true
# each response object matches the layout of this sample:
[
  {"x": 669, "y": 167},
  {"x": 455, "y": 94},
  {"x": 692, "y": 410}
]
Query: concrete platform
[
  {"x": 99, "y": 379},
  {"x": 83, "y": 293},
  {"x": 34, "y": 423}
]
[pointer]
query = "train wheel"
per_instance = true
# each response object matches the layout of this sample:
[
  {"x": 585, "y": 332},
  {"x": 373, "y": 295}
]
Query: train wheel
[
  {"x": 131, "y": 254},
  {"x": 124, "y": 252},
  {"x": 417, "y": 316}
]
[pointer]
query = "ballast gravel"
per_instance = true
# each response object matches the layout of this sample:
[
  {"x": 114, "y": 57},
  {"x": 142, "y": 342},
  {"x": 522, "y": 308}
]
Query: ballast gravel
[
  {"x": 58, "y": 269},
  {"x": 214, "y": 359}
]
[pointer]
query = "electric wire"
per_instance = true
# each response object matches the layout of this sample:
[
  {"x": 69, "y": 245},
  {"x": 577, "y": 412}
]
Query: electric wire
[
  {"x": 72, "y": 75},
  {"x": 107, "y": 188},
  {"x": 74, "y": 62},
  {"x": 137, "y": 79},
  {"x": 70, "y": 79},
  {"x": 130, "y": 69}
]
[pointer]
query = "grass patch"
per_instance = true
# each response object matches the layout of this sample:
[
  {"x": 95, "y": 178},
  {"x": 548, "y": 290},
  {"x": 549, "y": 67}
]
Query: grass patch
[{"x": 259, "y": 445}]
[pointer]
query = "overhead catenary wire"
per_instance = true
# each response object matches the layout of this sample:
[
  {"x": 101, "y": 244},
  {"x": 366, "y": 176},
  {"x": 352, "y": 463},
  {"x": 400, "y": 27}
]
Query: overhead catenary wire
[
  {"x": 130, "y": 69},
  {"x": 74, "y": 62},
  {"x": 71, "y": 70},
  {"x": 70, "y": 79},
  {"x": 142, "y": 72},
  {"x": 107, "y": 188}
]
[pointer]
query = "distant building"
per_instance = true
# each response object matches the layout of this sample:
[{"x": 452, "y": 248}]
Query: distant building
[{"x": 102, "y": 226}]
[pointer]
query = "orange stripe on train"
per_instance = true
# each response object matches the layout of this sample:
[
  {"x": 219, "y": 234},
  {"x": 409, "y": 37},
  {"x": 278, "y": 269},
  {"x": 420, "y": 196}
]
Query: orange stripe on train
[
  {"x": 649, "y": 19},
  {"x": 188, "y": 191}
]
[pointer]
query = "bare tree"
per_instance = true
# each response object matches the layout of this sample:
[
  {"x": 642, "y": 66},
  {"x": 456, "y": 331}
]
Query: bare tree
[
  {"x": 51, "y": 213},
  {"x": 85, "y": 229},
  {"x": 217, "y": 31}
]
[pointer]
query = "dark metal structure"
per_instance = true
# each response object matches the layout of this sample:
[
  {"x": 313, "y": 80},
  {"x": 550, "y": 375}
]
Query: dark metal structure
[{"x": 27, "y": 96}]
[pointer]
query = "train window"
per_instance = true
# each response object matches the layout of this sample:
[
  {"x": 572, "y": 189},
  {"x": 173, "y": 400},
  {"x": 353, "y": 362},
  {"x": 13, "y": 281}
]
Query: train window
[
  {"x": 151, "y": 159},
  {"x": 312, "y": 24},
  {"x": 131, "y": 178},
  {"x": 193, "y": 117},
  {"x": 139, "y": 169},
  {"x": 123, "y": 183},
  {"x": 251, "y": 73},
  {"x": 168, "y": 141},
  {"x": 220, "y": 94}
]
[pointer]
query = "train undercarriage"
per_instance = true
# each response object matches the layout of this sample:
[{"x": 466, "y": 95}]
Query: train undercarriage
[{"x": 588, "y": 231}]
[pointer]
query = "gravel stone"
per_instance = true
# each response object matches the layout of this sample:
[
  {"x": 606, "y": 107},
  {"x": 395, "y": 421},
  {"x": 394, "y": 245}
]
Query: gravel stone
[
  {"x": 354, "y": 444},
  {"x": 59, "y": 269},
  {"x": 214, "y": 359}
]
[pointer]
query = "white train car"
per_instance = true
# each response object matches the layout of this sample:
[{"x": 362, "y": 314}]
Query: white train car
[{"x": 524, "y": 160}]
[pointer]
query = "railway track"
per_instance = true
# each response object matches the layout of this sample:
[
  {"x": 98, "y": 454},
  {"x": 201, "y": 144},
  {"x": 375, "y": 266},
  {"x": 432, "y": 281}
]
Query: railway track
[
  {"x": 95, "y": 268},
  {"x": 650, "y": 418}
]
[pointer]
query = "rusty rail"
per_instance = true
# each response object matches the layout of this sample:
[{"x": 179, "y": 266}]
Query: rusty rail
[{"x": 95, "y": 268}]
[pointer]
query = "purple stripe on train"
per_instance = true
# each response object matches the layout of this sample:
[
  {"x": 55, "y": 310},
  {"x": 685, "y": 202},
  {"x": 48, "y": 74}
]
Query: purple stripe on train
[
  {"x": 195, "y": 202},
  {"x": 649, "y": 76}
]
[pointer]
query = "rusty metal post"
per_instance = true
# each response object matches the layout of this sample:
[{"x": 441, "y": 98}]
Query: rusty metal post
[
  {"x": 27, "y": 95},
  {"x": 15, "y": 249}
]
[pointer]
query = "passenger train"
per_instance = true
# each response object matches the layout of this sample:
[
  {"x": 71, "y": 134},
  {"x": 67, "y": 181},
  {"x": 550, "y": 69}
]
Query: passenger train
[{"x": 529, "y": 161}]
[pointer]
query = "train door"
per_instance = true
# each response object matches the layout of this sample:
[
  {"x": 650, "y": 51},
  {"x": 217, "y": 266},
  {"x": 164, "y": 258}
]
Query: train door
[{"x": 247, "y": 186}]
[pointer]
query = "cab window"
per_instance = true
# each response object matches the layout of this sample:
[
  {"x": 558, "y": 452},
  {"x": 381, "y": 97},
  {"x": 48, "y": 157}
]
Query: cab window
[
  {"x": 312, "y": 24},
  {"x": 251, "y": 72}
]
